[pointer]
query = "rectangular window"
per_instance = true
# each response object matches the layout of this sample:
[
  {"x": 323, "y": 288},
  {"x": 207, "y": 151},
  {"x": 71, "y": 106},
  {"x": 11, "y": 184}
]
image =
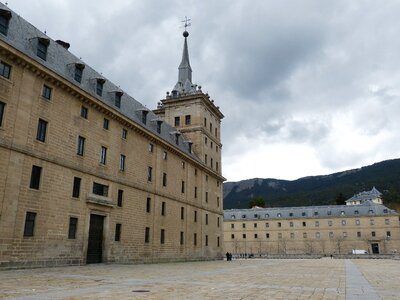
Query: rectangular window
[
  {"x": 182, "y": 213},
  {"x": 151, "y": 147},
  {"x": 120, "y": 198},
  {"x": 195, "y": 239},
  {"x": 177, "y": 121},
  {"x": 78, "y": 73},
  {"x": 183, "y": 187},
  {"x": 211, "y": 162},
  {"x": 118, "y": 232},
  {"x": 267, "y": 235},
  {"x": 99, "y": 86},
  {"x": 2, "y": 109},
  {"x": 331, "y": 235},
  {"x": 164, "y": 179},
  {"x": 41, "y": 130},
  {"x": 217, "y": 221},
  {"x": 195, "y": 192},
  {"x": 244, "y": 235},
  {"x": 5, "y": 70},
  {"x": 29, "y": 223},
  {"x": 149, "y": 174},
  {"x": 206, "y": 219},
  {"x": 46, "y": 92},
  {"x": 279, "y": 235},
  {"x": 42, "y": 48},
  {"x": 388, "y": 234},
  {"x": 291, "y": 224},
  {"x": 159, "y": 126},
  {"x": 372, "y": 222},
  {"x": 147, "y": 235},
  {"x": 292, "y": 235},
  {"x": 195, "y": 216},
  {"x": 316, "y": 223},
  {"x": 73, "y": 223},
  {"x": 35, "y": 177},
  {"x": 76, "y": 188},
  {"x": 216, "y": 132},
  {"x": 266, "y": 224},
  {"x": 344, "y": 234},
  {"x": 317, "y": 235},
  {"x": 205, "y": 158},
  {"x": 103, "y": 155},
  {"x": 84, "y": 112},
  {"x": 279, "y": 224},
  {"x": 304, "y": 224},
  {"x": 207, "y": 197},
  {"x": 124, "y": 133},
  {"x": 117, "y": 100},
  {"x": 343, "y": 222},
  {"x": 329, "y": 223},
  {"x": 163, "y": 208},
  {"x": 5, "y": 17},
  {"x": 187, "y": 120},
  {"x": 217, "y": 241},
  {"x": 358, "y": 233},
  {"x": 210, "y": 127},
  {"x": 106, "y": 123},
  {"x": 305, "y": 235},
  {"x": 387, "y": 221},
  {"x": 232, "y": 226},
  {"x": 205, "y": 122},
  {"x": 81, "y": 146},
  {"x": 162, "y": 236},
  {"x": 148, "y": 204},
  {"x": 232, "y": 236},
  {"x": 217, "y": 201},
  {"x": 373, "y": 233},
  {"x": 206, "y": 240},
  {"x": 182, "y": 239},
  {"x": 100, "y": 189},
  {"x": 122, "y": 159},
  {"x": 165, "y": 155}
]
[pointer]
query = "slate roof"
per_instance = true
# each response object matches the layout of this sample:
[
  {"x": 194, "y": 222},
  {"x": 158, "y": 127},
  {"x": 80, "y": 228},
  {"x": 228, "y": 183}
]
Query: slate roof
[
  {"x": 366, "y": 195},
  {"x": 368, "y": 208},
  {"x": 24, "y": 37}
]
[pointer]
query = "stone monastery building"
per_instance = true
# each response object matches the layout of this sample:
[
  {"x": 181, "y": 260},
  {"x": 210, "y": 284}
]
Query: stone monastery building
[{"x": 88, "y": 174}]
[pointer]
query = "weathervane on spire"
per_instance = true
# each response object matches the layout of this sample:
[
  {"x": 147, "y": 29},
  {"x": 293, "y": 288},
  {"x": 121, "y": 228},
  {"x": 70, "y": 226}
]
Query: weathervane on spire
[{"x": 187, "y": 24}]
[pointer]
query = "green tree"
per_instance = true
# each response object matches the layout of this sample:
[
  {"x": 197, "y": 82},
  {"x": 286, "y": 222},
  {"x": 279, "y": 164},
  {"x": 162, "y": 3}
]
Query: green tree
[
  {"x": 257, "y": 201},
  {"x": 340, "y": 199}
]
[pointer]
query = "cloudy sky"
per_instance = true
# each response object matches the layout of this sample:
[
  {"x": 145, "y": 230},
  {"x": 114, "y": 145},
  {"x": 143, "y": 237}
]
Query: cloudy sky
[{"x": 307, "y": 87}]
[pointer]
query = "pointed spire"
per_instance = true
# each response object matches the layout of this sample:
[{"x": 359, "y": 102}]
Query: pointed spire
[
  {"x": 185, "y": 71},
  {"x": 184, "y": 84}
]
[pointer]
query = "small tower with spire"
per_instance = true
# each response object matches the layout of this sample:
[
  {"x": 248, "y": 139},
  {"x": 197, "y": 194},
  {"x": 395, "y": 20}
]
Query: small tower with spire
[{"x": 194, "y": 114}]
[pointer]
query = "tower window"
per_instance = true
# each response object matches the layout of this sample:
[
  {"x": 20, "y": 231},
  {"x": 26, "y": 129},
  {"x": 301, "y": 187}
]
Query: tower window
[
  {"x": 187, "y": 120},
  {"x": 177, "y": 121},
  {"x": 42, "y": 48}
]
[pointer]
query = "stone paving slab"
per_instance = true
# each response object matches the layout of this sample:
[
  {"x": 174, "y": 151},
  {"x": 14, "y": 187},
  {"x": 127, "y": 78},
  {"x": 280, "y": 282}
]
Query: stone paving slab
[{"x": 239, "y": 279}]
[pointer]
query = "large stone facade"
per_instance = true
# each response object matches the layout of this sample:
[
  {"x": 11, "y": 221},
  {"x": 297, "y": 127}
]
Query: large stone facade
[
  {"x": 88, "y": 174},
  {"x": 322, "y": 230}
]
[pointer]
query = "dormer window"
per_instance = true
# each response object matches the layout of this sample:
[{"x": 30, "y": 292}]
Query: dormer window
[
  {"x": 159, "y": 126},
  {"x": 42, "y": 46},
  {"x": 177, "y": 138},
  {"x": 279, "y": 215},
  {"x": 5, "y": 17},
  {"x": 78, "y": 72},
  {"x": 117, "y": 100},
  {"x": 144, "y": 116},
  {"x": 190, "y": 146},
  {"x": 232, "y": 216},
  {"x": 99, "y": 86}
]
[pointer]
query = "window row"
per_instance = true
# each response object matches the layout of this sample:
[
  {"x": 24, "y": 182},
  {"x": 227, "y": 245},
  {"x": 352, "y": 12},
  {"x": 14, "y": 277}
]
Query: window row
[
  {"x": 30, "y": 219},
  {"x": 211, "y": 144},
  {"x": 316, "y": 223},
  {"x": 317, "y": 235},
  {"x": 211, "y": 128}
]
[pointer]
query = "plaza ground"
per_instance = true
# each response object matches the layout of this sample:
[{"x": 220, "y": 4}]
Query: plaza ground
[{"x": 240, "y": 279}]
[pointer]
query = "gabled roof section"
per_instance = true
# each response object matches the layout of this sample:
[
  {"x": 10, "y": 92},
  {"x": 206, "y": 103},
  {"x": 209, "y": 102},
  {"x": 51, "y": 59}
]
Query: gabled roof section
[
  {"x": 59, "y": 60},
  {"x": 366, "y": 195}
]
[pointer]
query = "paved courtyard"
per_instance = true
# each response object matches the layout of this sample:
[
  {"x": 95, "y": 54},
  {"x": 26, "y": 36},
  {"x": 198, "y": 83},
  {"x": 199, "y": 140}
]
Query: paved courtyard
[{"x": 240, "y": 279}]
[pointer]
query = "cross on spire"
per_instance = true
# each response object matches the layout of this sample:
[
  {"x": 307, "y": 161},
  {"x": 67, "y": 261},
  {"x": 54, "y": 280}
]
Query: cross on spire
[{"x": 187, "y": 22}]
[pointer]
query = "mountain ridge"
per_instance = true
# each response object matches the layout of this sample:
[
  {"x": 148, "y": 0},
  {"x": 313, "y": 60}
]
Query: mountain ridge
[{"x": 318, "y": 189}]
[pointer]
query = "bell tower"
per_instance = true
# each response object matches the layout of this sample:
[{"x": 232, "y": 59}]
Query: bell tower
[{"x": 194, "y": 114}]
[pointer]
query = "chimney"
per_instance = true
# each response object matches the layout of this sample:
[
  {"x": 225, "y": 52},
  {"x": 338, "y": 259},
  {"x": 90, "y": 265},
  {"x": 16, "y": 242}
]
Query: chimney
[{"x": 63, "y": 44}]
